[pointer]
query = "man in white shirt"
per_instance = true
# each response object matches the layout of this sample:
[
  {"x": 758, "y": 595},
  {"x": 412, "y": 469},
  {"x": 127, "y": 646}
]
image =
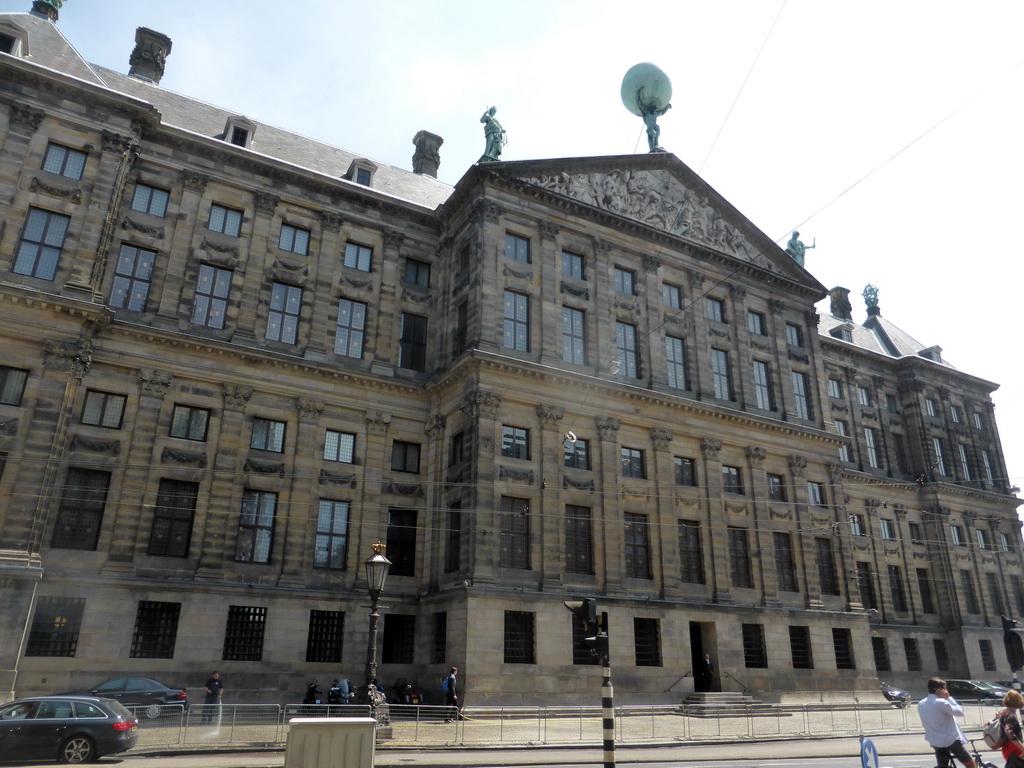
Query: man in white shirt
[{"x": 938, "y": 712}]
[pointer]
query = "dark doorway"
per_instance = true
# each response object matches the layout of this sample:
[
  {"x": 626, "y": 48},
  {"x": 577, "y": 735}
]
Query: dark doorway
[{"x": 703, "y": 671}]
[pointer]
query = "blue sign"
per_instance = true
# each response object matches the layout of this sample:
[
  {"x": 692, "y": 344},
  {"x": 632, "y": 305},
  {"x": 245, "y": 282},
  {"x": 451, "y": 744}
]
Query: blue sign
[{"x": 868, "y": 754}]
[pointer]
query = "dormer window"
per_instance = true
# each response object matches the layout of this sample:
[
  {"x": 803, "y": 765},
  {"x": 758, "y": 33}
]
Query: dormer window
[
  {"x": 361, "y": 172},
  {"x": 932, "y": 353},
  {"x": 13, "y": 40},
  {"x": 239, "y": 131},
  {"x": 843, "y": 332}
]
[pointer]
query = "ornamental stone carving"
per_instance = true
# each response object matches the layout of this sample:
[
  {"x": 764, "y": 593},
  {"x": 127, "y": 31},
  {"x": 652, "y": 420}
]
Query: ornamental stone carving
[
  {"x": 776, "y": 306},
  {"x": 309, "y": 409},
  {"x": 113, "y": 447},
  {"x": 9, "y": 427},
  {"x": 525, "y": 477},
  {"x": 265, "y": 202},
  {"x": 661, "y": 438},
  {"x": 131, "y": 224},
  {"x": 330, "y": 221},
  {"x": 195, "y": 182},
  {"x": 577, "y": 485},
  {"x": 336, "y": 479},
  {"x": 115, "y": 142},
  {"x": 797, "y": 465},
  {"x": 835, "y": 471},
  {"x": 710, "y": 448},
  {"x": 414, "y": 490},
  {"x": 435, "y": 425},
  {"x": 153, "y": 382},
  {"x": 517, "y": 274},
  {"x": 70, "y": 194},
  {"x": 393, "y": 238},
  {"x": 183, "y": 457},
  {"x": 236, "y": 397},
  {"x": 26, "y": 116},
  {"x": 548, "y": 230},
  {"x": 486, "y": 210},
  {"x": 264, "y": 467},
  {"x": 579, "y": 292},
  {"x": 608, "y": 427},
  {"x": 755, "y": 456},
  {"x": 651, "y": 263},
  {"x": 378, "y": 422},
  {"x": 479, "y": 403},
  {"x": 737, "y": 293},
  {"x": 230, "y": 250},
  {"x": 74, "y": 357}
]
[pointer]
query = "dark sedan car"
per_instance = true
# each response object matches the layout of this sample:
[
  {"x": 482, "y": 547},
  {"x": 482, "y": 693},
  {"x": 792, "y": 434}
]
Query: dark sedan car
[
  {"x": 143, "y": 692},
  {"x": 976, "y": 690},
  {"x": 71, "y": 729}
]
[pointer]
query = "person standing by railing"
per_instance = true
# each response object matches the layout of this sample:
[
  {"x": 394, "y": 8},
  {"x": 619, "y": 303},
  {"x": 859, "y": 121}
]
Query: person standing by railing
[{"x": 214, "y": 688}]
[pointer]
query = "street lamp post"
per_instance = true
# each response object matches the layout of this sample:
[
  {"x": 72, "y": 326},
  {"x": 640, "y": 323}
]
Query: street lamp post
[{"x": 377, "y": 568}]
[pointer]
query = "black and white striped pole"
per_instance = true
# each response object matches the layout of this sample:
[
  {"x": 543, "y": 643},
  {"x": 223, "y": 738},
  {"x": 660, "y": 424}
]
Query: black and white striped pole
[{"x": 595, "y": 637}]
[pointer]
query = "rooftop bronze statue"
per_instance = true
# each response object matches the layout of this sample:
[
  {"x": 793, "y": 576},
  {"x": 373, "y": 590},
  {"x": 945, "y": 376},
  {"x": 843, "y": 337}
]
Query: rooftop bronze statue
[
  {"x": 650, "y": 116},
  {"x": 870, "y": 295},
  {"x": 495, "y": 136},
  {"x": 796, "y": 249}
]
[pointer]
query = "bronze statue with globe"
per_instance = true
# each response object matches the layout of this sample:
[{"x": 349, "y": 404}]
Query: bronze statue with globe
[{"x": 646, "y": 91}]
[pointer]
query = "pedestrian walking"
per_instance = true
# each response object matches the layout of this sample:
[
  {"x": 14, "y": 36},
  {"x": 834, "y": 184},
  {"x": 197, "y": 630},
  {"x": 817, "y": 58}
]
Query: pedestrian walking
[
  {"x": 214, "y": 688},
  {"x": 450, "y": 688},
  {"x": 938, "y": 712}
]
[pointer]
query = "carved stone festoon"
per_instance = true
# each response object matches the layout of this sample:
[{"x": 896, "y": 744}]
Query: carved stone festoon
[
  {"x": 130, "y": 224},
  {"x": 79, "y": 443},
  {"x": 526, "y": 477},
  {"x": 183, "y": 457},
  {"x": 8, "y": 427},
  {"x": 264, "y": 467},
  {"x": 402, "y": 489},
  {"x": 71, "y": 194},
  {"x": 336, "y": 479},
  {"x": 577, "y": 485}
]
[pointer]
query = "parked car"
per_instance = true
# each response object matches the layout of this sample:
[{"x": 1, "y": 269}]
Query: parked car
[
  {"x": 975, "y": 690},
  {"x": 142, "y": 692},
  {"x": 71, "y": 729},
  {"x": 897, "y": 696}
]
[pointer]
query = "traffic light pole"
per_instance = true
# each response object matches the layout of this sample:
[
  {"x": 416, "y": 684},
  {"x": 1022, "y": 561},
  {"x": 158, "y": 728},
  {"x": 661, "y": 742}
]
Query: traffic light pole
[{"x": 607, "y": 698}]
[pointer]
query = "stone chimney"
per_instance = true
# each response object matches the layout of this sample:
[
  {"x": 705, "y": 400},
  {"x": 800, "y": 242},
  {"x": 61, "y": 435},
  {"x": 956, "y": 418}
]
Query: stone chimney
[
  {"x": 841, "y": 307},
  {"x": 427, "y": 158},
  {"x": 48, "y": 10},
  {"x": 150, "y": 54}
]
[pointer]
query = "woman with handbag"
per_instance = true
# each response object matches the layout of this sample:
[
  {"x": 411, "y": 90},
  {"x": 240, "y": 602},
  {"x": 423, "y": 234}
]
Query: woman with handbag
[{"x": 1013, "y": 746}]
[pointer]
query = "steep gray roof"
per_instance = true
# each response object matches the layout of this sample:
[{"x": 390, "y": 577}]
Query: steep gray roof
[
  {"x": 876, "y": 334},
  {"x": 48, "y": 48}
]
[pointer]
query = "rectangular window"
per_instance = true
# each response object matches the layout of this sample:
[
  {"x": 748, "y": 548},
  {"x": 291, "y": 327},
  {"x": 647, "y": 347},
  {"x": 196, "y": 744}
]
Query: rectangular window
[
  {"x": 453, "y": 539},
  {"x": 225, "y": 220},
  {"x": 42, "y": 241},
  {"x": 835, "y": 388},
  {"x": 931, "y": 407},
  {"x": 638, "y": 546},
  {"x": 351, "y": 330},
  {"x": 866, "y": 583},
  {"x": 577, "y": 453},
  {"x": 899, "y": 595},
  {"x": 461, "y": 340},
  {"x": 913, "y": 654},
  {"x": 515, "y": 442},
  {"x": 633, "y": 463},
  {"x": 691, "y": 552},
  {"x": 754, "y": 654},
  {"x": 646, "y": 642},
  {"x": 981, "y": 536},
  {"x": 888, "y": 529},
  {"x": 900, "y": 449},
  {"x": 988, "y": 658},
  {"x": 402, "y": 541},
  {"x": 55, "y": 626},
  {"x": 514, "y": 537},
  {"x": 880, "y": 649},
  {"x": 625, "y": 281},
  {"x": 405, "y": 457},
  {"x": 363, "y": 176},
  {"x": 863, "y": 396},
  {"x": 256, "y": 527},
  {"x": 870, "y": 442},
  {"x": 763, "y": 396},
  {"x": 12, "y": 385},
  {"x": 324, "y": 637},
  {"x": 133, "y": 276},
  {"x": 891, "y": 404},
  {"x": 857, "y": 524},
  {"x": 210, "y": 305},
  {"x": 732, "y": 480},
  {"x": 573, "y": 265},
  {"x": 794, "y": 335},
  {"x": 924, "y": 587},
  {"x": 1004, "y": 539},
  {"x": 412, "y": 346},
  {"x": 243, "y": 634},
  {"x": 103, "y": 409},
  {"x": 965, "y": 462},
  {"x": 740, "y": 571},
  {"x": 517, "y": 248},
  {"x": 267, "y": 435},
  {"x": 156, "y": 630},
  {"x": 417, "y": 273},
  {"x": 986, "y": 466},
  {"x": 519, "y": 637},
  {"x": 627, "y": 353},
  {"x": 826, "y": 566},
  {"x": 516, "y": 333},
  {"x": 843, "y": 429},
  {"x": 176, "y": 502},
  {"x": 776, "y": 487},
  {"x": 358, "y": 256},
  {"x": 459, "y": 449},
  {"x": 842, "y": 642},
  {"x": 979, "y": 420},
  {"x": 785, "y": 567},
  {"x": 147, "y": 199},
  {"x": 969, "y": 592},
  {"x": 675, "y": 358},
  {"x": 579, "y": 540},
  {"x": 330, "y": 547},
  {"x": 957, "y": 534},
  {"x": 672, "y": 296},
  {"x": 720, "y": 374},
  {"x": 283, "y": 314},
  {"x": 995, "y": 595},
  {"x": 574, "y": 336},
  {"x": 800, "y": 647},
  {"x": 714, "y": 309},
  {"x": 685, "y": 471},
  {"x": 802, "y": 396},
  {"x": 80, "y": 514},
  {"x": 294, "y": 240},
  {"x": 439, "y": 651},
  {"x": 915, "y": 532},
  {"x": 941, "y": 654},
  {"x": 340, "y": 446},
  {"x": 64, "y": 161},
  {"x": 756, "y": 323}
]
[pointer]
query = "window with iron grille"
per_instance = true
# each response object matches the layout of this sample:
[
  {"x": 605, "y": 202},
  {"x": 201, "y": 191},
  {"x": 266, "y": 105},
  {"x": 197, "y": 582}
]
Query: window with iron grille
[
  {"x": 800, "y": 647},
  {"x": 732, "y": 480},
  {"x": 675, "y": 359},
  {"x": 763, "y": 396},
  {"x": 515, "y": 442},
  {"x": 691, "y": 552},
  {"x": 969, "y": 592},
  {"x": 55, "y": 626},
  {"x": 267, "y": 435},
  {"x": 754, "y": 654},
  {"x": 633, "y": 463},
  {"x": 941, "y": 654},
  {"x": 842, "y": 641},
  {"x": 439, "y": 648},
  {"x": 351, "y": 328},
  {"x": 417, "y": 273},
  {"x": 294, "y": 239},
  {"x": 412, "y": 346},
  {"x": 225, "y": 220},
  {"x": 514, "y": 537},
  {"x": 330, "y": 547},
  {"x": 151, "y": 200},
  {"x": 785, "y": 567},
  {"x": 156, "y": 630},
  {"x": 402, "y": 541},
  {"x": 210, "y": 304},
  {"x": 581, "y": 653},
  {"x": 647, "y": 642},
  {"x": 519, "y": 642},
  {"x": 12, "y": 385},
  {"x": 453, "y": 539},
  {"x": 880, "y": 649},
  {"x": 913, "y": 654},
  {"x": 776, "y": 487},
  {"x": 739, "y": 558},
  {"x": 577, "y": 453},
  {"x": 41, "y": 244},
  {"x": 405, "y": 457},
  {"x": 324, "y": 638},
  {"x": 924, "y": 587},
  {"x": 189, "y": 423},
  {"x": 358, "y": 256},
  {"x": 579, "y": 540},
  {"x": 995, "y": 594},
  {"x": 517, "y": 248},
  {"x": 988, "y": 658},
  {"x": 256, "y": 527},
  {"x": 243, "y": 635},
  {"x": 638, "y": 546},
  {"x": 516, "y": 328},
  {"x": 574, "y": 336},
  {"x": 626, "y": 351},
  {"x": 283, "y": 313},
  {"x": 80, "y": 514},
  {"x": 64, "y": 161},
  {"x": 826, "y": 567},
  {"x": 133, "y": 275},
  {"x": 685, "y": 471},
  {"x": 171, "y": 534},
  {"x": 103, "y": 409},
  {"x": 340, "y": 447},
  {"x": 866, "y": 582}
]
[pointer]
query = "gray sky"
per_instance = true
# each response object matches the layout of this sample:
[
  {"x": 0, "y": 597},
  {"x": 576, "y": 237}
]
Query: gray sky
[{"x": 781, "y": 105}]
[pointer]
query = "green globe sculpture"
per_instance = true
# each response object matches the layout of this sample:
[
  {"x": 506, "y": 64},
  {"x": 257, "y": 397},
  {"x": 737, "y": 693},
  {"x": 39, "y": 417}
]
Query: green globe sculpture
[{"x": 646, "y": 91}]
